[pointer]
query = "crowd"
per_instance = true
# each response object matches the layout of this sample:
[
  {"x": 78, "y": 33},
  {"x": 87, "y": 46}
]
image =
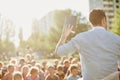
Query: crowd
[{"x": 28, "y": 68}]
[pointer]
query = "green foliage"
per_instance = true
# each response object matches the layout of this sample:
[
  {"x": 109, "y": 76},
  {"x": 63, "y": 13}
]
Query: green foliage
[
  {"x": 56, "y": 30},
  {"x": 7, "y": 32},
  {"x": 46, "y": 43},
  {"x": 116, "y": 23},
  {"x": 6, "y": 46}
]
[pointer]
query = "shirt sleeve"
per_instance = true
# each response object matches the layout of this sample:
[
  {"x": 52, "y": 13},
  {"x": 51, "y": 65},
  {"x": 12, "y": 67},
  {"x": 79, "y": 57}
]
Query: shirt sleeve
[{"x": 67, "y": 49}]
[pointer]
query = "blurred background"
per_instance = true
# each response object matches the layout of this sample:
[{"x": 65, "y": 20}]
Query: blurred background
[{"x": 35, "y": 26}]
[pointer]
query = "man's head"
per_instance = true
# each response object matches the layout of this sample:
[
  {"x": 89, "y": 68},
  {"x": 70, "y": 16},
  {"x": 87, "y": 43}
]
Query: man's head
[{"x": 97, "y": 17}]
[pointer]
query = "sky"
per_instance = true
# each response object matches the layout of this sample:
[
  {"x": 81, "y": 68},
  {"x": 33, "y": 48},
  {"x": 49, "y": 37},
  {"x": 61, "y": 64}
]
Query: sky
[{"x": 22, "y": 12}]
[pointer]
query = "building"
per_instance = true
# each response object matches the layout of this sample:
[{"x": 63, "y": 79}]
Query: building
[
  {"x": 110, "y": 6},
  {"x": 46, "y": 22}
]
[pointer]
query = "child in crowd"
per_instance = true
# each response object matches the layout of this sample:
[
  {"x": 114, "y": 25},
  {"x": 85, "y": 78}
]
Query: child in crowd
[
  {"x": 70, "y": 58},
  {"x": 28, "y": 58},
  {"x": 41, "y": 73},
  {"x": 51, "y": 75},
  {"x": 73, "y": 73},
  {"x": 56, "y": 62},
  {"x": 66, "y": 65},
  {"x": 60, "y": 72},
  {"x": 34, "y": 74},
  {"x": 8, "y": 75},
  {"x": 3, "y": 72},
  {"x": 21, "y": 63},
  {"x": 44, "y": 66},
  {"x": 14, "y": 62},
  {"x": 62, "y": 59},
  {"x": 25, "y": 70},
  {"x": 17, "y": 76}
]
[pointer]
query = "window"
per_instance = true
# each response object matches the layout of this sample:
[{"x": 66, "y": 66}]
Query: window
[
  {"x": 110, "y": 17},
  {"x": 117, "y": 6},
  {"x": 117, "y": 1}
]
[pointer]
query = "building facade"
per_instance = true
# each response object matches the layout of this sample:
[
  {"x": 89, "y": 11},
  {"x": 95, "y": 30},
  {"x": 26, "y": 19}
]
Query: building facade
[{"x": 109, "y": 6}]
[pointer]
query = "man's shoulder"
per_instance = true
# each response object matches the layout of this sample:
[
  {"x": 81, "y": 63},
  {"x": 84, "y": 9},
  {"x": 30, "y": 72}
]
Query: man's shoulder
[
  {"x": 82, "y": 34},
  {"x": 115, "y": 36}
]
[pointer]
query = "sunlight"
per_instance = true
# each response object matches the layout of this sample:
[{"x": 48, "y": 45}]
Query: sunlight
[{"x": 23, "y": 12}]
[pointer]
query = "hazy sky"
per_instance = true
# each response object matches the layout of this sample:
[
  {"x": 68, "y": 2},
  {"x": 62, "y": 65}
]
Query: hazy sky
[{"x": 22, "y": 12}]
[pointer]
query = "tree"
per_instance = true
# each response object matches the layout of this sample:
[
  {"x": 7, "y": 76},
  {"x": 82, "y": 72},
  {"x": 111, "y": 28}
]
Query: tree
[
  {"x": 37, "y": 39},
  {"x": 20, "y": 35},
  {"x": 9, "y": 29},
  {"x": 6, "y": 35},
  {"x": 56, "y": 29},
  {"x": 116, "y": 23},
  {"x": 53, "y": 23}
]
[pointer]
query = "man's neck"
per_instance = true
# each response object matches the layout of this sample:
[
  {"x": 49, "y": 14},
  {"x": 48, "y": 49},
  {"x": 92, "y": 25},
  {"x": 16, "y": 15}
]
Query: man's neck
[
  {"x": 94, "y": 27},
  {"x": 99, "y": 26}
]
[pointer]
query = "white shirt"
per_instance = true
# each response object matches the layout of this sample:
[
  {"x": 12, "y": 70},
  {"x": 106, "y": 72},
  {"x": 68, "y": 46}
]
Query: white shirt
[{"x": 99, "y": 52}]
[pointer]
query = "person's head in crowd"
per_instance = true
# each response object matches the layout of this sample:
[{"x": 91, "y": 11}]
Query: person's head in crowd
[
  {"x": 74, "y": 61},
  {"x": 74, "y": 70},
  {"x": 38, "y": 65},
  {"x": 97, "y": 17},
  {"x": 25, "y": 70},
  {"x": 13, "y": 61},
  {"x": 44, "y": 65},
  {"x": 73, "y": 73},
  {"x": 51, "y": 69},
  {"x": 34, "y": 72},
  {"x": 40, "y": 69},
  {"x": 22, "y": 61},
  {"x": 60, "y": 72},
  {"x": 66, "y": 63},
  {"x": 63, "y": 58},
  {"x": 28, "y": 58},
  {"x": 17, "y": 76},
  {"x": 4, "y": 71},
  {"x": 1, "y": 65},
  {"x": 33, "y": 62},
  {"x": 60, "y": 69},
  {"x": 56, "y": 62},
  {"x": 10, "y": 68},
  {"x": 70, "y": 58},
  {"x": 51, "y": 73}
]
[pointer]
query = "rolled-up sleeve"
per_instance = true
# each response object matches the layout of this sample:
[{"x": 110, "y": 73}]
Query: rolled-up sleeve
[{"x": 67, "y": 49}]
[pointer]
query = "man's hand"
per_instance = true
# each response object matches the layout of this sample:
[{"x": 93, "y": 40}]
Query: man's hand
[{"x": 67, "y": 29}]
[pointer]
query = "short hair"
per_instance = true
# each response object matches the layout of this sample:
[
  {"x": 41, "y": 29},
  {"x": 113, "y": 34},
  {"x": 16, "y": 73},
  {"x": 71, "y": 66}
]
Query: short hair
[
  {"x": 10, "y": 66},
  {"x": 73, "y": 66},
  {"x": 51, "y": 66},
  {"x": 23, "y": 67},
  {"x": 60, "y": 68},
  {"x": 66, "y": 61},
  {"x": 96, "y": 15},
  {"x": 17, "y": 76},
  {"x": 34, "y": 69}
]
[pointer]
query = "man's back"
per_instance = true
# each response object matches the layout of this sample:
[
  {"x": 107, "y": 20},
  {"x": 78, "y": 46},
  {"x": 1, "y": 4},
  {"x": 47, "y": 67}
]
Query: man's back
[{"x": 99, "y": 50}]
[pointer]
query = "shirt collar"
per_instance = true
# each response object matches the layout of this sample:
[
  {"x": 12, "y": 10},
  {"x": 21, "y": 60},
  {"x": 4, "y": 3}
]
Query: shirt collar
[{"x": 98, "y": 27}]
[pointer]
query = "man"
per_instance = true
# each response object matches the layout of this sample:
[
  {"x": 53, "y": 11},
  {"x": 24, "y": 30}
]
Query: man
[{"x": 99, "y": 49}]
